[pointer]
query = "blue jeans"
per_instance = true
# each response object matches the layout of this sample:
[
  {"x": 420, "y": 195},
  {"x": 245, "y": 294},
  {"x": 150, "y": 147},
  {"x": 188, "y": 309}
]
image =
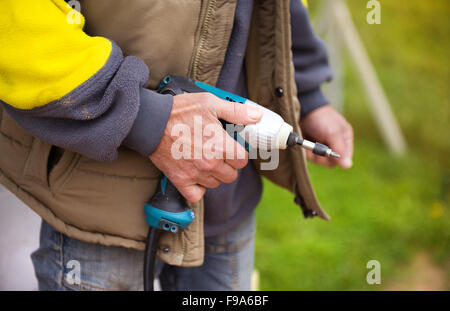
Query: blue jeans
[{"x": 228, "y": 263}]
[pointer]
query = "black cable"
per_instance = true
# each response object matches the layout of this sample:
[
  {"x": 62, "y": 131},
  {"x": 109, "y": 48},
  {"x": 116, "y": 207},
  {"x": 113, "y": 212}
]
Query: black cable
[{"x": 151, "y": 246}]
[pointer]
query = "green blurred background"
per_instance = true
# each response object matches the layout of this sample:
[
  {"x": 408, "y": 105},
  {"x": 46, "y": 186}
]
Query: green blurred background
[{"x": 393, "y": 209}]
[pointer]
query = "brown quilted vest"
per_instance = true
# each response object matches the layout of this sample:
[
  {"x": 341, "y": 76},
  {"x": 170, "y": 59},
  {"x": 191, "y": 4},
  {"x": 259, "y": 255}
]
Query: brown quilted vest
[{"x": 104, "y": 202}]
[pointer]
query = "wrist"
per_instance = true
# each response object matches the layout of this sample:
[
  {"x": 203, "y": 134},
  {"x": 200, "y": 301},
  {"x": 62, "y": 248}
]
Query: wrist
[{"x": 150, "y": 123}]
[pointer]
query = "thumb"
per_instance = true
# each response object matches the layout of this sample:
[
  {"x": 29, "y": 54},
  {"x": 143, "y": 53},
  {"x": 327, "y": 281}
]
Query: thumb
[
  {"x": 238, "y": 113},
  {"x": 192, "y": 193}
]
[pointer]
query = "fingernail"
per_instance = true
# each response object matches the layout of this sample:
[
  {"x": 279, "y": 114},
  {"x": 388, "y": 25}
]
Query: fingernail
[
  {"x": 347, "y": 163},
  {"x": 254, "y": 113}
]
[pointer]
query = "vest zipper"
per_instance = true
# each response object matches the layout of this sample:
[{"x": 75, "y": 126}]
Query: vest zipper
[{"x": 203, "y": 34}]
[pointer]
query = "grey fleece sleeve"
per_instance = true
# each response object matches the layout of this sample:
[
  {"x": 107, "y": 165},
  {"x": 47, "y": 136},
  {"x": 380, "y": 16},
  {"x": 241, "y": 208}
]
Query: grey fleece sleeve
[
  {"x": 109, "y": 109},
  {"x": 310, "y": 60}
]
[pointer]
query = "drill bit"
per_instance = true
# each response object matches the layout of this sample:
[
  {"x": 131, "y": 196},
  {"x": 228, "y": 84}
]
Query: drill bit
[
  {"x": 335, "y": 155},
  {"x": 316, "y": 148}
]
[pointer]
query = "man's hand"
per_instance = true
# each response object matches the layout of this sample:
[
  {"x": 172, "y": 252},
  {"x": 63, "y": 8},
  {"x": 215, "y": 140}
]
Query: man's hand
[
  {"x": 191, "y": 176},
  {"x": 325, "y": 125}
]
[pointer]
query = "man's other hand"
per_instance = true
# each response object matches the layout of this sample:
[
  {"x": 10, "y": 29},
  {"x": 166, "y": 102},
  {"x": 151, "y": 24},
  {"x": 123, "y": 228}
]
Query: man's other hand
[
  {"x": 192, "y": 175},
  {"x": 327, "y": 126}
]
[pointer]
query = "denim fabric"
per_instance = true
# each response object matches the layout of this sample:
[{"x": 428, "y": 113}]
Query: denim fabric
[{"x": 228, "y": 263}]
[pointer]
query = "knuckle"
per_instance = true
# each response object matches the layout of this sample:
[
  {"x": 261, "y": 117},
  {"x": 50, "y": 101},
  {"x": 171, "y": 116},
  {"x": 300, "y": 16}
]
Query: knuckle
[
  {"x": 210, "y": 165},
  {"x": 241, "y": 109},
  {"x": 236, "y": 109},
  {"x": 214, "y": 184},
  {"x": 241, "y": 163},
  {"x": 210, "y": 98},
  {"x": 233, "y": 176},
  {"x": 204, "y": 99},
  {"x": 194, "y": 174},
  {"x": 215, "y": 164},
  {"x": 205, "y": 166}
]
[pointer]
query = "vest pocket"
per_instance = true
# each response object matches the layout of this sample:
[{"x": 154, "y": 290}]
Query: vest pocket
[
  {"x": 60, "y": 163},
  {"x": 53, "y": 158},
  {"x": 36, "y": 164}
]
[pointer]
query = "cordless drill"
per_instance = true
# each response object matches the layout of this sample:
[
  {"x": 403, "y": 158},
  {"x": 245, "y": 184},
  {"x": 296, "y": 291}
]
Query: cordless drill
[{"x": 167, "y": 210}]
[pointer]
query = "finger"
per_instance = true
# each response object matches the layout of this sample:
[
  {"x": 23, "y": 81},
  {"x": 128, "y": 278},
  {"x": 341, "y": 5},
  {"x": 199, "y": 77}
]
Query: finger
[
  {"x": 343, "y": 144},
  {"x": 340, "y": 146},
  {"x": 235, "y": 155},
  {"x": 209, "y": 182},
  {"x": 192, "y": 193},
  {"x": 225, "y": 147},
  {"x": 225, "y": 173},
  {"x": 237, "y": 113},
  {"x": 319, "y": 159},
  {"x": 348, "y": 141}
]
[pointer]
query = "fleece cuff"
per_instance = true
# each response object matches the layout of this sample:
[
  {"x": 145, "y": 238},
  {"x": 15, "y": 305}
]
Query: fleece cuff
[
  {"x": 150, "y": 123},
  {"x": 311, "y": 100}
]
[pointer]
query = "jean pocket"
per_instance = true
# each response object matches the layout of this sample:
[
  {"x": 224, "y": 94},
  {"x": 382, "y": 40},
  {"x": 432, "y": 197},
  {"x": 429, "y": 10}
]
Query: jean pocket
[
  {"x": 235, "y": 239},
  {"x": 95, "y": 267}
]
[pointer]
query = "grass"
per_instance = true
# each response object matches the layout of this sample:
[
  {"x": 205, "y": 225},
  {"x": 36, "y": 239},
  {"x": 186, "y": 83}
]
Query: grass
[{"x": 386, "y": 208}]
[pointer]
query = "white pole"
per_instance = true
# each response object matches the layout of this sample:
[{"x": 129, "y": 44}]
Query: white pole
[{"x": 379, "y": 103}]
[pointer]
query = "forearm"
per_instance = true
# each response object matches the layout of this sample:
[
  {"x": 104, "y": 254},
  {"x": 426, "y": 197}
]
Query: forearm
[
  {"x": 96, "y": 117},
  {"x": 89, "y": 100}
]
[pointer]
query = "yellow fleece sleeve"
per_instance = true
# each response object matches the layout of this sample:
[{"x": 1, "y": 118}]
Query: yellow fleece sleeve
[{"x": 44, "y": 53}]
